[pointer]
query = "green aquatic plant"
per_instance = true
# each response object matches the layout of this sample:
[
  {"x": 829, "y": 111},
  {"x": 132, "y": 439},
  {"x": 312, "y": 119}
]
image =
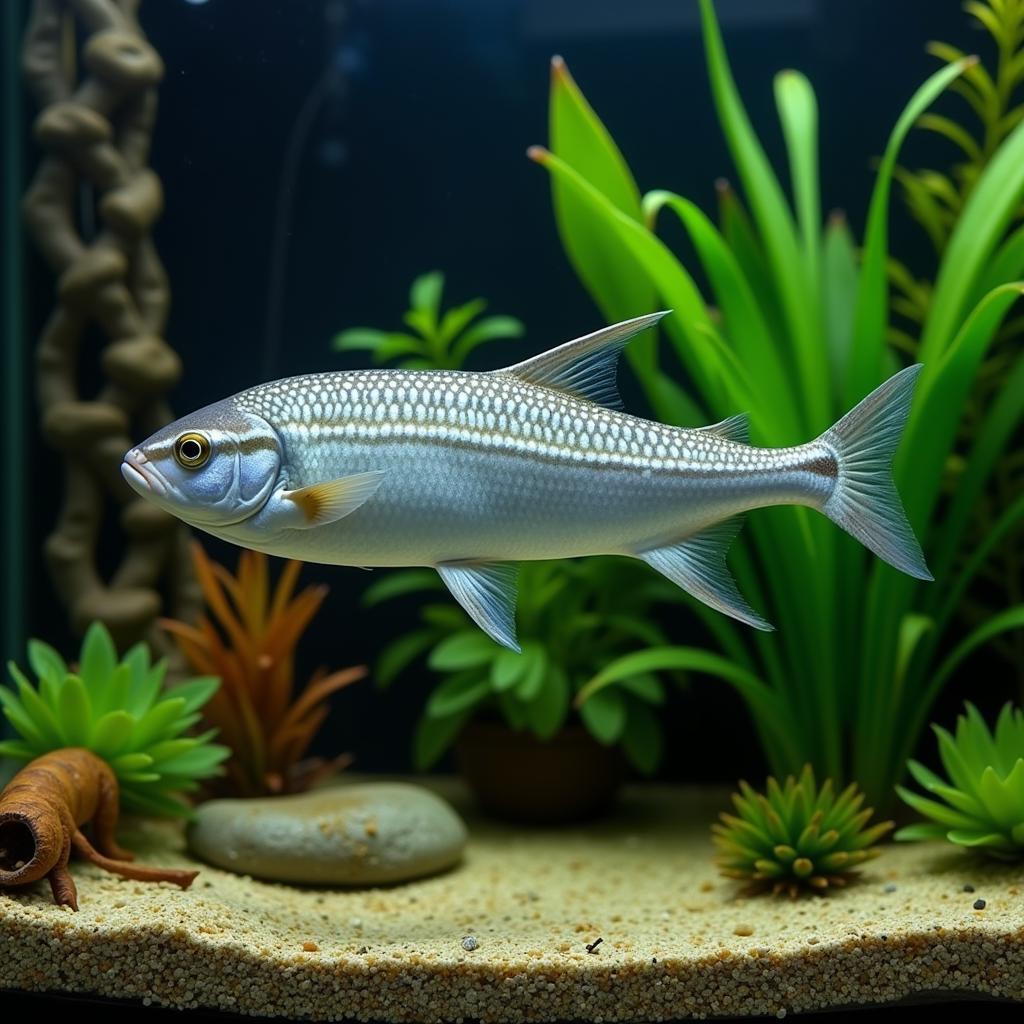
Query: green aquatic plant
[
  {"x": 796, "y": 836},
  {"x": 119, "y": 710},
  {"x": 793, "y": 329},
  {"x": 573, "y": 618},
  {"x": 974, "y": 129},
  {"x": 980, "y": 804},
  {"x": 435, "y": 340}
]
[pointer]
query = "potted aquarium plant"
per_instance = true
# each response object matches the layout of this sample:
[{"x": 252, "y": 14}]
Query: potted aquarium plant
[{"x": 527, "y": 747}]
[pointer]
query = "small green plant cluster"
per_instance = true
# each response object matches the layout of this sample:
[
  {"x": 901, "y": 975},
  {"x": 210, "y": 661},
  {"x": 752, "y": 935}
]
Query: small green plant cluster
[
  {"x": 121, "y": 711},
  {"x": 574, "y": 618},
  {"x": 434, "y": 341},
  {"x": 980, "y": 804},
  {"x": 796, "y": 836},
  {"x": 793, "y": 327}
]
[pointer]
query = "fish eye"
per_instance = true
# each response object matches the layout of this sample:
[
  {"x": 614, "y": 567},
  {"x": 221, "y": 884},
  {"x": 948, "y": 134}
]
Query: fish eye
[{"x": 192, "y": 450}]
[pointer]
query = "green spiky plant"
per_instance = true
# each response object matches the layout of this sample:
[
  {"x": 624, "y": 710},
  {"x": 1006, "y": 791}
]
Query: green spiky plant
[
  {"x": 797, "y": 337},
  {"x": 435, "y": 341},
  {"x": 981, "y": 803},
  {"x": 122, "y": 712},
  {"x": 990, "y": 108},
  {"x": 573, "y": 618},
  {"x": 796, "y": 837}
]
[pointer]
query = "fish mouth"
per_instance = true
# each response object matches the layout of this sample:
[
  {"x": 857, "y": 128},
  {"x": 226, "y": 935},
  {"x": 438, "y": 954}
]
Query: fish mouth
[{"x": 141, "y": 476}]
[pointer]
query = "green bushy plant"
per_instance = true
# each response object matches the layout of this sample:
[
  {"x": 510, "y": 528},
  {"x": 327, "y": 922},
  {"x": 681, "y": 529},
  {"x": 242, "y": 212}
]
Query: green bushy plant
[
  {"x": 797, "y": 836},
  {"x": 435, "y": 340},
  {"x": 798, "y": 336},
  {"x": 121, "y": 711},
  {"x": 573, "y": 618},
  {"x": 980, "y": 804}
]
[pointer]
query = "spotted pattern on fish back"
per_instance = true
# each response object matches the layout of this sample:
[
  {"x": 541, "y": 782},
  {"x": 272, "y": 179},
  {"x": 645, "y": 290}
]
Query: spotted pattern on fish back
[{"x": 494, "y": 410}]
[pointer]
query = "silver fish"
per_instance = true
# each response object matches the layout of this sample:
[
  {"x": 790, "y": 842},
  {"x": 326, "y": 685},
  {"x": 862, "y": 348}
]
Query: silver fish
[{"x": 472, "y": 472}]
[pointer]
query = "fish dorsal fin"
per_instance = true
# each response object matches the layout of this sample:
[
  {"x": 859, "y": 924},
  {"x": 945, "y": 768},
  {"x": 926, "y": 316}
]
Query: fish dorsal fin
[
  {"x": 697, "y": 564},
  {"x": 487, "y": 593},
  {"x": 586, "y": 366},
  {"x": 735, "y": 428}
]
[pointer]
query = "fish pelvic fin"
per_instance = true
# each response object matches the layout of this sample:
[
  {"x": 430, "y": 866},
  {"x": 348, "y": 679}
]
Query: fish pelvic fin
[
  {"x": 487, "y": 593},
  {"x": 587, "y": 366},
  {"x": 864, "y": 501},
  {"x": 697, "y": 564}
]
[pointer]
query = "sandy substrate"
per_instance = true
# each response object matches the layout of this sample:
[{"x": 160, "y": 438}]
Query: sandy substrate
[{"x": 677, "y": 940}]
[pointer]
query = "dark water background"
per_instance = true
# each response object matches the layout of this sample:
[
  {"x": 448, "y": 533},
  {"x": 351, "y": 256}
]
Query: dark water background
[{"x": 411, "y": 157}]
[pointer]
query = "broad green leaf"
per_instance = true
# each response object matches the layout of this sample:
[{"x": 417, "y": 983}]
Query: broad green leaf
[
  {"x": 397, "y": 584},
  {"x": 358, "y": 338},
  {"x": 547, "y": 712},
  {"x": 401, "y": 652},
  {"x": 425, "y": 297},
  {"x": 75, "y": 712},
  {"x": 490, "y": 328},
  {"x": 467, "y": 649},
  {"x": 456, "y": 694},
  {"x": 532, "y": 679},
  {"x": 604, "y": 715},
  {"x": 46, "y": 662},
  {"x": 98, "y": 659},
  {"x": 196, "y": 692},
  {"x": 507, "y": 669},
  {"x": 578, "y": 137}
]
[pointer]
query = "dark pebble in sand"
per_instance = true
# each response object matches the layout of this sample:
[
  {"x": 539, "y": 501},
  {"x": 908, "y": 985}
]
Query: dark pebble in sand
[
  {"x": 968, "y": 887},
  {"x": 979, "y": 904}
]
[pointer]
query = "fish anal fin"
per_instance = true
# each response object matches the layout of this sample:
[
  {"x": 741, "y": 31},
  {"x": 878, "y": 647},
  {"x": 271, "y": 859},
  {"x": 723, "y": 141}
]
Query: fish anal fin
[
  {"x": 735, "y": 428},
  {"x": 587, "y": 366},
  {"x": 487, "y": 593},
  {"x": 697, "y": 564},
  {"x": 331, "y": 500}
]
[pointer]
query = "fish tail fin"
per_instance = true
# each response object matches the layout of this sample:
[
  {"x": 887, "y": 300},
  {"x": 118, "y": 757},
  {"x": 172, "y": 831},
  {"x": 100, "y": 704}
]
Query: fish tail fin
[{"x": 864, "y": 501}]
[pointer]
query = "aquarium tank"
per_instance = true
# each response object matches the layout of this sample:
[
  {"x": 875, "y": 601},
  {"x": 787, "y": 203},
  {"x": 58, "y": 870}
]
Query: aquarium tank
[{"x": 514, "y": 508}]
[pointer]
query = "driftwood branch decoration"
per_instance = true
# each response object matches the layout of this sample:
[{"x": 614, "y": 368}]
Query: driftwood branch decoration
[
  {"x": 95, "y": 130},
  {"x": 41, "y": 812}
]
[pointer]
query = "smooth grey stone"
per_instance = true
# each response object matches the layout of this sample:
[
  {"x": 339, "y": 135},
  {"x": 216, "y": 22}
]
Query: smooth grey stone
[{"x": 357, "y": 834}]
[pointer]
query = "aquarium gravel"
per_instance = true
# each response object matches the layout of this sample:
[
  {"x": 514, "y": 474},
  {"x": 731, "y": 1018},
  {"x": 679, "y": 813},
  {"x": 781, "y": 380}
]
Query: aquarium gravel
[{"x": 675, "y": 939}]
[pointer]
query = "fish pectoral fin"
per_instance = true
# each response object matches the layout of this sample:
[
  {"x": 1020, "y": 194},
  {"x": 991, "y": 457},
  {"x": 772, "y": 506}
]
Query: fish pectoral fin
[
  {"x": 697, "y": 564},
  {"x": 331, "y": 500},
  {"x": 735, "y": 428},
  {"x": 487, "y": 593},
  {"x": 585, "y": 367}
]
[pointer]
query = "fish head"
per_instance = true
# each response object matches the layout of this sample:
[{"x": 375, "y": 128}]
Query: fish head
[{"x": 213, "y": 468}]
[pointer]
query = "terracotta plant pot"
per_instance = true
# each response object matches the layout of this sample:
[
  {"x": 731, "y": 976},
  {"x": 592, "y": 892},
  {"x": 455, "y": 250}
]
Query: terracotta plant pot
[{"x": 517, "y": 777}]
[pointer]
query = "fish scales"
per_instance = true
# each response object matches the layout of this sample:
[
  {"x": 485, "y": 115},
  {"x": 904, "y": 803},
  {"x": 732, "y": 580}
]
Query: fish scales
[
  {"x": 468, "y": 472},
  {"x": 476, "y": 462}
]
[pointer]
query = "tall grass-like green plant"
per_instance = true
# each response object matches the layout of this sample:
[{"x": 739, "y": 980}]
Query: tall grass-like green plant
[
  {"x": 990, "y": 107},
  {"x": 847, "y": 680}
]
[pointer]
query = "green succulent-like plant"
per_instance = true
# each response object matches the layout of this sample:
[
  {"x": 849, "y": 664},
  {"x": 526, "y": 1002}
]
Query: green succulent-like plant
[
  {"x": 437, "y": 341},
  {"x": 796, "y": 836},
  {"x": 981, "y": 805},
  {"x": 120, "y": 711}
]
